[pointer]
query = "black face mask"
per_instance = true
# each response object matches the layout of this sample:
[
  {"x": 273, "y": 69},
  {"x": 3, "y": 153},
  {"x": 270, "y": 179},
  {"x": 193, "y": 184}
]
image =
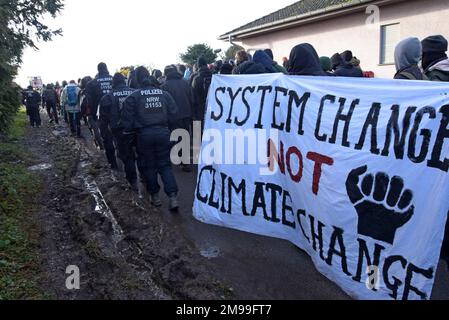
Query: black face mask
[{"x": 430, "y": 58}]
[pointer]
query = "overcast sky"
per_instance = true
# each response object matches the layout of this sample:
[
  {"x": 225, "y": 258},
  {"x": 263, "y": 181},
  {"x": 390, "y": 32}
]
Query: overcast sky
[{"x": 135, "y": 32}]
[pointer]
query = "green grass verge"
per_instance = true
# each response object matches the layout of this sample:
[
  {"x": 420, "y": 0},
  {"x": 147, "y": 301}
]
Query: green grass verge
[{"x": 19, "y": 270}]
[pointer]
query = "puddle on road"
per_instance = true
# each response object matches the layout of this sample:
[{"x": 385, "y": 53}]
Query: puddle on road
[
  {"x": 41, "y": 167},
  {"x": 60, "y": 132},
  {"x": 210, "y": 253},
  {"x": 103, "y": 209}
]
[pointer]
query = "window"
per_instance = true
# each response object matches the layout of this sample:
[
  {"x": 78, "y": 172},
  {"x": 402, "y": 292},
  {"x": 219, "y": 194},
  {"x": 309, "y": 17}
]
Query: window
[{"x": 389, "y": 38}]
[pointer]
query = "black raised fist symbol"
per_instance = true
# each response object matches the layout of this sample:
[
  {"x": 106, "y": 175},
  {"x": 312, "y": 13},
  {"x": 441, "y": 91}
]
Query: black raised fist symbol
[{"x": 383, "y": 204}]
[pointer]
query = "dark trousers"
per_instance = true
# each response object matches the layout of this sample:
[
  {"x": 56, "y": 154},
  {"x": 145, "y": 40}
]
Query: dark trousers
[
  {"x": 153, "y": 149},
  {"x": 74, "y": 119},
  {"x": 52, "y": 112},
  {"x": 93, "y": 126},
  {"x": 35, "y": 117},
  {"x": 108, "y": 143},
  {"x": 126, "y": 153}
]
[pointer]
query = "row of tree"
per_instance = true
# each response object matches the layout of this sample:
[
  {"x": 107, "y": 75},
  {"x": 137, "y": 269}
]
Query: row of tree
[
  {"x": 203, "y": 50},
  {"x": 21, "y": 26}
]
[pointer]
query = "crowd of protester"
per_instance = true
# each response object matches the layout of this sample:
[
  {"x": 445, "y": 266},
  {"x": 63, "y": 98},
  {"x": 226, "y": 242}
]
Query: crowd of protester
[{"x": 132, "y": 117}]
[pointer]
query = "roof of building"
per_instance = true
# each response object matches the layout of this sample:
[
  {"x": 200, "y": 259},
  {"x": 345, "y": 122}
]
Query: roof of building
[{"x": 296, "y": 11}]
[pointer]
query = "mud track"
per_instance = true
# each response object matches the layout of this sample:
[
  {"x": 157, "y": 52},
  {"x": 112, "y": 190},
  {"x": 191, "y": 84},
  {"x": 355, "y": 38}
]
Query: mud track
[
  {"x": 88, "y": 217},
  {"x": 126, "y": 249}
]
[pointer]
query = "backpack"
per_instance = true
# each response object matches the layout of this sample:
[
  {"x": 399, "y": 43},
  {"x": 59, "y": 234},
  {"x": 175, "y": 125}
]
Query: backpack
[{"x": 72, "y": 96}]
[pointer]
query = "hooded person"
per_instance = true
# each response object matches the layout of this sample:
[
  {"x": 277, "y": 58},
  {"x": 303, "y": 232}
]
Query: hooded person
[
  {"x": 50, "y": 99},
  {"x": 149, "y": 111},
  {"x": 70, "y": 101},
  {"x": 262, "y": 58},
  {"x": 407, "y": 56},
  {"x": 182, "y": 93},
  {"x": 110, "y": 109},
  {"x": 249, "y": 67},
  {"x": 278, "y": 67},
  {"x": 226, "y": 68},
  {"x": 200, "y": 85},
  {"x": 158, "y": 75},
  {"x": 132, "y": 81},
  {"x": 347, "y": 56},
  {"x": 326, "y": 64},
  {"x": 435, "y": 61},
  {"x": 304, "y": 61},
  {"x": 344, "y": 69},
  {"x": 217, "y": 66},
  {"x": 32, "y": 100},
  {"x": 84, "y": 105},
  {"x": 95, "y": 90}
]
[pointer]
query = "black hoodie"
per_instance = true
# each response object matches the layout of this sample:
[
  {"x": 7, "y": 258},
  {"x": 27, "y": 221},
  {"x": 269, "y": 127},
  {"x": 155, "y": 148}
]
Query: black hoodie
[
  {"x": 181, "y": 92},
  {"x": 148, "y": 107},
  {"x": 344, "y": 68},
  {"x": 98, "y": 88},
  {"x": 111, "y": 104},
  {"x": 200, "y": 84},
  {"x": 304, "y": 61}
]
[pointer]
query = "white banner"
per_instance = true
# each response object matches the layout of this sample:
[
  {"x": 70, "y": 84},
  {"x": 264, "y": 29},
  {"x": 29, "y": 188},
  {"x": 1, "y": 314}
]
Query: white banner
[{"x": 353, "y": 171}]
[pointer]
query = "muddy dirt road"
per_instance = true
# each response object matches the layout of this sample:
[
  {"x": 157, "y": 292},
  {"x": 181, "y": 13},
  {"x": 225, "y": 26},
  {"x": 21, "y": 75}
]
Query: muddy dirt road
[{"x": 126, "y": 249}]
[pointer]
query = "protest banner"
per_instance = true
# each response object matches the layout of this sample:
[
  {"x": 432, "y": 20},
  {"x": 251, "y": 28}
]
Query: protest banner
[{"x": 352, "y": 171}]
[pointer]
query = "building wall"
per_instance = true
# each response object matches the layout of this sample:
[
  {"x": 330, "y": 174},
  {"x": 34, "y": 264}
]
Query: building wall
[{"x": 419, "y": 18}]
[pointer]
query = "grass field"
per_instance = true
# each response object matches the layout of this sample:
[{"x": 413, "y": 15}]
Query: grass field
[{"x": 18, "y": 187}]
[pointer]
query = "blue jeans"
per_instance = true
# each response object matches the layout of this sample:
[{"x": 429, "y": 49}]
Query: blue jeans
[{"x": 153, "y": 149}]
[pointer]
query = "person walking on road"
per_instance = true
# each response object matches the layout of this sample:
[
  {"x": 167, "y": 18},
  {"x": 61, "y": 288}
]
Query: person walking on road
[
  {"x": 95, "y": 90},
  {"x": 200, "y": 84},
  {"x": 111, "y": 106},
  {"x": 149, "y": 112},
  {"x": 71, "y": 103},
  {"x": 50, "y": 99},
  {"x": 32, "y": 101},
  {"x": 182, "y": 93}
]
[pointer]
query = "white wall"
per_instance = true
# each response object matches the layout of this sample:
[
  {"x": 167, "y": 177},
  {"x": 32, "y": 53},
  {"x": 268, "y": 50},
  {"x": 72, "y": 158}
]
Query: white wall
[{"x": 419, "y": 18}]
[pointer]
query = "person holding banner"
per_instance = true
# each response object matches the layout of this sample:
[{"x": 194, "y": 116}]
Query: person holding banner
[
  {"x": 407, "y": 55},
  {"x": 435, "y": 61},
  {"x": 304, "y": 61},
  {"x": 436, "y": 65}
]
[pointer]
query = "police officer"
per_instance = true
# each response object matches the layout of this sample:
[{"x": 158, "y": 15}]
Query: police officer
[
  {"x": 149, "y": 112},
  {"x": 110, "y": 109},
  {"x": 95, "y": 90},
  {"x": 32, "y": 101},
  {"x": 50, "y": 100}
]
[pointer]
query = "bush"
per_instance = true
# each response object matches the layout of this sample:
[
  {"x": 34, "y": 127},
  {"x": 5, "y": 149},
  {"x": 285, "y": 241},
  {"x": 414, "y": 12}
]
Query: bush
[
  {"x": 9, "y": 97},
  {"x": 21, "y": 24}
]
